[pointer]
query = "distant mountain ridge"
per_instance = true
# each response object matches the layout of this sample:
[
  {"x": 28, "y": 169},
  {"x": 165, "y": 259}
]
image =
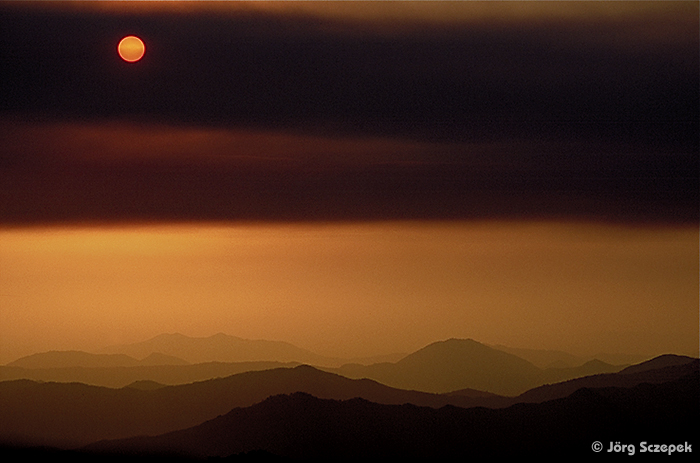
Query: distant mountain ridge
[
  {"x": 655, "y": 371},
  {"x": 305, "y": 427},
  {"x": 118, "y": 377},
  {"x": 662, "y": 361},
  {"x": 440, "y": 367},
  {"x": 448, "y": 365},
  {"x": 222, "y": 348},
  {"x": 37, "y": 412},
  {"x": 457, "y": 364},
  {"x": 557, "y": 359},
  {"x": 544, "y": 358},
  {"x": 72, "y": 358},
  {"x": 69, "y": 415}
]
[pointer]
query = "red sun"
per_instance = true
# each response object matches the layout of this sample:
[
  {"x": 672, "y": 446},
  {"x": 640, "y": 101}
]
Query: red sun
[{"x": 131, "y": 49}]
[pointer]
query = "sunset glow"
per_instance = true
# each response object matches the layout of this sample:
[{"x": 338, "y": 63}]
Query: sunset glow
[
  {"x": 330, "y": 231},
  {"x": 131, "y": 49},
  {"x": 353, "y": 199},
  {"x": 355, "y": 289}
]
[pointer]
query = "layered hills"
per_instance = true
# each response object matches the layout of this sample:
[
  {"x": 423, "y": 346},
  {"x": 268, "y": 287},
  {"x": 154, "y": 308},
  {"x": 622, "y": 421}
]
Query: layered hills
[
  {"x": 221, "y": 348},
  {"x": 69, "y": 415},
  {"x": 305, "y": 427},
  {"x": 656, "y": 371},
  {"x": 117, "y": 377},
  {"x": 71, "y": 359},
  {"x": 441, "y": 367},
  {"x": 72, "y": 414},
  {"x": 59, "y": 400},
  {"x": 456, "y": 364}
]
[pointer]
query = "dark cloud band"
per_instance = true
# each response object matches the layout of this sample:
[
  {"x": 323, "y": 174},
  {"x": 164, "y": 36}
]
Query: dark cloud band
[{"x": 591, "y": 122}]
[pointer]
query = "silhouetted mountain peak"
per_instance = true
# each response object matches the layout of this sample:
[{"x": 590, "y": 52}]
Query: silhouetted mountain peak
[
  {"x": 462, "y": 352},
  {"x": 451, "y": 365},
  {"x": 596, "y": 363},
  {"x": 146, "y": 385},
  {"x": 308, "y": 368},
  {"x": 646, "y": 372},
  {"x": 454, "y": 344},
  {"x": 661, "y": 361},
  {"x": 302, "y": 426}
]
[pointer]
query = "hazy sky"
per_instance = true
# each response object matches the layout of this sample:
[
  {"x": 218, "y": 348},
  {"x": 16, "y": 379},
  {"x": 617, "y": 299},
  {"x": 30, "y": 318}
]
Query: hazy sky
[
  {"x": 354, "y": 289},
  {"x": 351, "y": 177}
]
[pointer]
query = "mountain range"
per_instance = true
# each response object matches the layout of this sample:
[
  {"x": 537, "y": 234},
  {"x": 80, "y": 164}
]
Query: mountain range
[
  {"x": 558, "y": 359},
  {"x": 455, "y": 364},
  {"x": 452, "y": 398},
  {"x": 301, "y": 425},
  {"x": 71, "y": 415},
  {"x": 72, "y": 358},
  {"x": 221, "y": 348},
  {"x": 441, "y": 367},
  {"x": 305, "y": 427},
  {"x": 117, "y": 377}
]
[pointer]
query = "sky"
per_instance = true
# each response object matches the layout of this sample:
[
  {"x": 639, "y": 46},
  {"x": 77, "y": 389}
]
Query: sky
[{"x": 354, "y": 178}]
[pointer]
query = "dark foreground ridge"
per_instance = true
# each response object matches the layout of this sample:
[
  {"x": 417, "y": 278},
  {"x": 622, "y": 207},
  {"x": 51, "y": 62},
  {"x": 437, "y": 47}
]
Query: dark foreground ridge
[
  {"x": 43, "y": 416},
  {"x": 301, "y": 426}
]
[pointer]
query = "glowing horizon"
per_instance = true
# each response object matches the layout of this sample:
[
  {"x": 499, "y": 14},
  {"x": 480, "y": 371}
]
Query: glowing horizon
[
  {"x": 352, "y": 290},
  {"x": 351, "y": 177}
]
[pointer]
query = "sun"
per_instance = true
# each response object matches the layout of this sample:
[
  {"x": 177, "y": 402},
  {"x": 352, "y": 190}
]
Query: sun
[{"x": 131, "y": 49}]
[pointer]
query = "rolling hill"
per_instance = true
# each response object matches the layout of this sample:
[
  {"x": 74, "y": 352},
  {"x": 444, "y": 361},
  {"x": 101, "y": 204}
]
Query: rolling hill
[
  {"x": 69, "y": 415},
  {"x": 305, "y": 427},
  {"x": 221, "y": 348},
  {"x": 457, "y": 364},
  {"x": 445, "y": 366},
  {"x": 117, "y": 377},
  {"x": 72, "y": 358},
  {"x": 655, "y": 371},
  {"x": 72, "y": 414}
]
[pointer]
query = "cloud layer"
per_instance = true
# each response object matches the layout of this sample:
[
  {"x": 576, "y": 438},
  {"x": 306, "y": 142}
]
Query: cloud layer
[{"x": 536, "y": 115}]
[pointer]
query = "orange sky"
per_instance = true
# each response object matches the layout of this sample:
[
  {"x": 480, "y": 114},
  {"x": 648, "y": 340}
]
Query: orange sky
[
  {"x": 415, "y": 11},
  {"x": 353, "y": 289},
  {"x": 353, "y": 178}
]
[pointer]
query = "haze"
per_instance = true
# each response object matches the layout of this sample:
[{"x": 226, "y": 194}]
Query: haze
[
  {"x": 353, "y": 289},
  {"x": 355, "y": 178}
]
